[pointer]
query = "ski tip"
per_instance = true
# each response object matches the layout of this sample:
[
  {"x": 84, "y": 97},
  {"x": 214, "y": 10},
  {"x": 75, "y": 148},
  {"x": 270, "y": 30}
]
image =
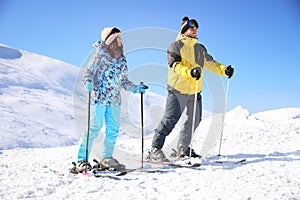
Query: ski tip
[
  {"x": 86, "y": 173},
  {"x": 122, "y": 173},
  {"x": 196, "y": 165},
  {"x": 230, "y": 161}
]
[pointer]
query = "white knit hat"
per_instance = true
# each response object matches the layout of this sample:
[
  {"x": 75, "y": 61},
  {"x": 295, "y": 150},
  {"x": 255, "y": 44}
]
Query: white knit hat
[{"x": 109, "y": 34}]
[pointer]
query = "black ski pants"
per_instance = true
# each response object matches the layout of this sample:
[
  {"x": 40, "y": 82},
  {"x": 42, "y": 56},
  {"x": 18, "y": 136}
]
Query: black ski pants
[{"x": 175, "y": 105}]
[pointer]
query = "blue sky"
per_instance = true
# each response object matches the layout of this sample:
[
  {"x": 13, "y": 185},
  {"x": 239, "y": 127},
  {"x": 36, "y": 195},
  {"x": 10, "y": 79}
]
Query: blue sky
[{"x": 259, "y": 38}]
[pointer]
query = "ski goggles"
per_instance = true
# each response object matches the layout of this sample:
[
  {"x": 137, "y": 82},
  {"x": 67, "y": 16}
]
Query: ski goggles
[{"x": 192, "y": 23}]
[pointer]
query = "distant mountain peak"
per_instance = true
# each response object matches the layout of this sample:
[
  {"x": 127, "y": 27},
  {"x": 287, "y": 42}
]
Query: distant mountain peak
[{"x": 9, "y": 53}]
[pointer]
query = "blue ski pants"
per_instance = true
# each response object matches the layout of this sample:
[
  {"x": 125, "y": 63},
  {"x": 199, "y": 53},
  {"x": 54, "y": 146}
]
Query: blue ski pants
[{"x": 111, "y": 116}]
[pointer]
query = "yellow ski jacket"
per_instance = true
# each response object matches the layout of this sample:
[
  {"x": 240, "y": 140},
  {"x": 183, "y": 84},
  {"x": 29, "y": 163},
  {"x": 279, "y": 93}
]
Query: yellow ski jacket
[{"x": 183, "y": 55}]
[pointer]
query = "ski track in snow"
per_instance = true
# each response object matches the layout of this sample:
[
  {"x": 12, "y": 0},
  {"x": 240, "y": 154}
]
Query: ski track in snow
[{"x": 36, "y": 97}]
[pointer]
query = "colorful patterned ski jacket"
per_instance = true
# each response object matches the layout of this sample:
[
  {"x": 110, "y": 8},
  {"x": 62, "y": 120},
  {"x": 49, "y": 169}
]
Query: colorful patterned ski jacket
[
  {"x": 183, "y": 55},
  {"x": 109, "y": 75}
]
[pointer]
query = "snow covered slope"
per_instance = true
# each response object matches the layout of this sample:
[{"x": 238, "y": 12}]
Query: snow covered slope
[
  {"x": 35, "y": 96},
  {"x": 270, "y": 172}
]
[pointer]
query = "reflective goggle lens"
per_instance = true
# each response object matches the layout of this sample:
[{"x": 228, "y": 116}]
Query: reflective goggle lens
[{"x": 192, "y": 24}]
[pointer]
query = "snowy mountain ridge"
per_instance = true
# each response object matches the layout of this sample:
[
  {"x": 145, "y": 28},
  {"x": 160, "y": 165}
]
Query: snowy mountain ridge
[{"x": 35, "y": 100}]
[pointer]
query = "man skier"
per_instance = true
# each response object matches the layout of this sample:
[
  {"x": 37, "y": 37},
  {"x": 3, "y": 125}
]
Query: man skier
[{"x": 186, "y": 61}]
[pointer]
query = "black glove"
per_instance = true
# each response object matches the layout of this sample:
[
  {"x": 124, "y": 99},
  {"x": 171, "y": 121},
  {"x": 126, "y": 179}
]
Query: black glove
[
  {"x": 229, "y": 71},
  {"x": 196, "y": 73}
]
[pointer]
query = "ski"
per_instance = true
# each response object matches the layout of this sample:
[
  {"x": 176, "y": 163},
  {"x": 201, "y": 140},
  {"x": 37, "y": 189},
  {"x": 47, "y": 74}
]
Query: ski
[
  {"x": 125, "y": 171},
  {"x": 229, "y": 161},
  {"x": 148, "y": 170},
  {"x": 175, "y": 163},
  {"x": 115, "y": 174},
  {"x": 110, "y": 174},
  {"x": 71, "y": 173}
]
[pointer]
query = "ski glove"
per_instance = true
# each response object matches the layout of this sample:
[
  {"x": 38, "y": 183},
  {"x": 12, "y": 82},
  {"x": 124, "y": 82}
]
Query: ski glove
[
  {"x": 89, "y": 86},
  {"x": 140, "y": 88},
  {"x": 196, "y": 73},
  {"x": 229, "y": 71}
]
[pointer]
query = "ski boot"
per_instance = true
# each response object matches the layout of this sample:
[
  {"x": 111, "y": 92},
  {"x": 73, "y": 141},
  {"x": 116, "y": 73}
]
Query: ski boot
[
  {"x": 108, "y": 164},
  {"x": 157, "y": 155},
  {"x": 187, "y": 155},
  {"x": 81, "y": 166},
  {"x": 184, "y": 152}
]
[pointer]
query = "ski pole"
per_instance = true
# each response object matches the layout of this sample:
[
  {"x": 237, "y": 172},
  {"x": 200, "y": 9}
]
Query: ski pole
[
  {"x": 225, "y": 103},
  {"x": 194, "y": 116},
  {"x": 88, "y": 131},
  {"x": 142, "y": 123}
]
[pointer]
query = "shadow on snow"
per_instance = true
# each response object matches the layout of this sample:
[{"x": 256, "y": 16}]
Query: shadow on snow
[{"x": 252, "y": 159}]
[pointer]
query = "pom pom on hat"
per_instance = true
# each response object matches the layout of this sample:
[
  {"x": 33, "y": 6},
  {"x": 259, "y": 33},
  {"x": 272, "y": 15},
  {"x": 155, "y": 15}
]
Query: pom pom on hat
[
  {"x": 185, "y": 19},
  {"x": 109, "y": 34}
]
